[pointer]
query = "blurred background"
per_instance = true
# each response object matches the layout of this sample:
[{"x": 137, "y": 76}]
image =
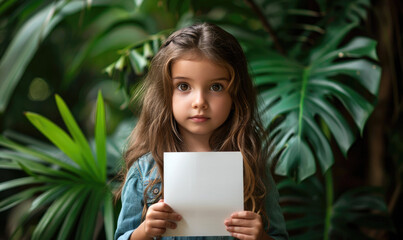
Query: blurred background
[{"x": 329, "y": 77}]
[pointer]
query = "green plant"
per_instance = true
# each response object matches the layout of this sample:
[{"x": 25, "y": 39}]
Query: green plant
[
  {"x": 306, "y": 93},
  {"x": 103, "y": 26},
  {"x": 316, "y": 71},
  {"x": 352, "y": 213},
  {"x": 305, "y": 97},
  {"x": 322, "y": 89},
  {"x": 72, "y": 192}
]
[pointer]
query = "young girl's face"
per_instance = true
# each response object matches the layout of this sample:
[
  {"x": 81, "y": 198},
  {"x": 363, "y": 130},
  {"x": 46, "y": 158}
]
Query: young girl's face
[{"x": 201, "y": 102}]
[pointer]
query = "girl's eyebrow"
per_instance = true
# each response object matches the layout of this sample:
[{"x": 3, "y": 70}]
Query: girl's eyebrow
[
  {"x": 180, "y": 78},
  {"x": 214, "y": 79},
  {"x": 220, "y": 79}
]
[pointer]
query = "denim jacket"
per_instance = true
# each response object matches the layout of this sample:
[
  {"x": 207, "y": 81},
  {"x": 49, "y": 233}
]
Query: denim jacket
[{"x": 143, "y": 171}]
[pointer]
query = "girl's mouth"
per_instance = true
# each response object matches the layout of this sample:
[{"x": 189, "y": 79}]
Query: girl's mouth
[{"x": 199, "y": 118}]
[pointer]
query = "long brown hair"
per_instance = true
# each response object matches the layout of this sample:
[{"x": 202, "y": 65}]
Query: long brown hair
[{"x": 156, "y": 130}]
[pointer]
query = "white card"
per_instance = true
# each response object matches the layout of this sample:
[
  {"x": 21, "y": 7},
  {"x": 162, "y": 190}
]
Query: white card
[{"x": 205, "y": 188}]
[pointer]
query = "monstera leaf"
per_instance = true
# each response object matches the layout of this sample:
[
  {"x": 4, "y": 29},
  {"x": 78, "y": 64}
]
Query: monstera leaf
[
  {"x": 302, "y": 104},
  {"x": 305, "y": 206}
]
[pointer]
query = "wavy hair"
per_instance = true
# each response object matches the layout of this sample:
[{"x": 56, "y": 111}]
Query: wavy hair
[{"x": 156, "y": 130}]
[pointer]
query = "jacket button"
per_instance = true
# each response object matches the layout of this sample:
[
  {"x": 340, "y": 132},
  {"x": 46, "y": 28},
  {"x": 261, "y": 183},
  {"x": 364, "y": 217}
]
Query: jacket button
[{"x": 156, "y": 191}]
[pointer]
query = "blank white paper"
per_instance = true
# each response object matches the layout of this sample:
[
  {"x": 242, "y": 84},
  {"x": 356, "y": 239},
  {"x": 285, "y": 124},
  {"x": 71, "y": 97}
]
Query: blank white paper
[{"x": 205, "y": 188}]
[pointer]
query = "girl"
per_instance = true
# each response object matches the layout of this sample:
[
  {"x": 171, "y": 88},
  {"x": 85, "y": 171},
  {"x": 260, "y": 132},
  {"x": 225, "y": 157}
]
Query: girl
[{"x": 198, "y": 97}]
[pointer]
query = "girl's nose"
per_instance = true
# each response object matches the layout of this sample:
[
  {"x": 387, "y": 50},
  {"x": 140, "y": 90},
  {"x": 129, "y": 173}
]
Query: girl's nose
[{"x": 199, "y": 101}]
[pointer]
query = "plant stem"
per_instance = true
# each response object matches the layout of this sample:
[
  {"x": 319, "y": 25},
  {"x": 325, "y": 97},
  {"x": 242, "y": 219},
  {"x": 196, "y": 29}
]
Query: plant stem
[
  {"x": 329, "y": 202},
  {"x": 266, "y": 25},
  {"x": 305, "y": 79}
]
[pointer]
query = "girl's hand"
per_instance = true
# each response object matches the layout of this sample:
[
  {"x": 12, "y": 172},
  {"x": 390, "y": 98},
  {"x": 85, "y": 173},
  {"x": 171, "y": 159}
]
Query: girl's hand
[
  {"x": 245, "y": 225},
  {"x": 159, "y": 217}
]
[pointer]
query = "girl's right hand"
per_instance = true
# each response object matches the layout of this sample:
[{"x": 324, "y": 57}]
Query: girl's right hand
[{"x": 159, "y": 217}]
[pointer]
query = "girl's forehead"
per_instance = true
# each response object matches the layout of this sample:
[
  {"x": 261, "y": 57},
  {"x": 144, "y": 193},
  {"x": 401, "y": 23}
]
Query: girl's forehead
[
  {"x": 192, "y": 55},
  {"x": 195, "y": 55}
]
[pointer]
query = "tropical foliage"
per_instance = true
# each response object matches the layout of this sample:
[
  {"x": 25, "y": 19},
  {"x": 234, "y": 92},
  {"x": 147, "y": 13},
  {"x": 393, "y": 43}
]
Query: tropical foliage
[
  {"x": 73, "y": 190},
  {"x": 316, "y": 72},
  {"x": 306, "y": 205}
]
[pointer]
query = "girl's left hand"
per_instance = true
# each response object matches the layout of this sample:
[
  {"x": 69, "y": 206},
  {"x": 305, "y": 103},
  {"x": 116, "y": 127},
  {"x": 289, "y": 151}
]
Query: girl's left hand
[{"x": 245, "y": 225}]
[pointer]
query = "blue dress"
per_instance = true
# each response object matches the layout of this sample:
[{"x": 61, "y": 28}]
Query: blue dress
[{"x": 144, "y": 170}]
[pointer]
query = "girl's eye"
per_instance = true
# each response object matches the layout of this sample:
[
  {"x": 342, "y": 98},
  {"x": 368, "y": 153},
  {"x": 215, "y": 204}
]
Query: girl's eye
[
  {"x": 183, "y": 87},
  {"x": 216, "y": 87}
]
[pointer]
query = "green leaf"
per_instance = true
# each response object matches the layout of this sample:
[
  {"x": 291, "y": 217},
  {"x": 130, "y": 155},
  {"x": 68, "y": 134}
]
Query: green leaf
[
  {"x": 360, "y": 199},
  {"x": 56, "y": 213},
  {"x": 147, "y": 51},
  {"x": 366, "y": 73},
  {"x": 6, "y": 164},
  {"x": 177, "y": 6},
  {"x": 320, "y": 145},
  {"x": 10, "y": 144},
  {"x": 304, "y": 222},
  {"x": 48, "y": 196},
  {"x": 138, "y": 62},
  {"x": 334, "y": 120},
  {"x": 298, "y": 103},
  {"x": 13, "y": 63},
  {"x": 120, "y": 63},
  {"x": 17, "y": 198},
  {"x": 86, "y": 225},
  {"x": 6, "y": 5},
  {"x": 18, "y": 182},
  {"x": 297, "y": 160},
  {"x": 71, "y": 217},
  {"x": 330, "y": 41},
  {"x": 309, "y": 27},
  {"x": 24, "y": 139},
  {"x": 37, "y": 144},
  {"x": 357, "y": 106},
  {"x": 138, "y": 3},
  {"x": 60, "y": 138},
  {"x": 303, "y": 12},
  {"x": 354, "y": 210},
  {"x": 33, "y": 166},
  {"x": 288, "y": 103},
  {"x": 358, "y": 47},
  {"x": 109, "y": 69},
  {"x": 78, "y": 136},
  {"x": 85, "y": 51},
  {"x": 100, "y": 136},
  {"x": 109, "y": 219},
  {"x": 28, "y": 38}
]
